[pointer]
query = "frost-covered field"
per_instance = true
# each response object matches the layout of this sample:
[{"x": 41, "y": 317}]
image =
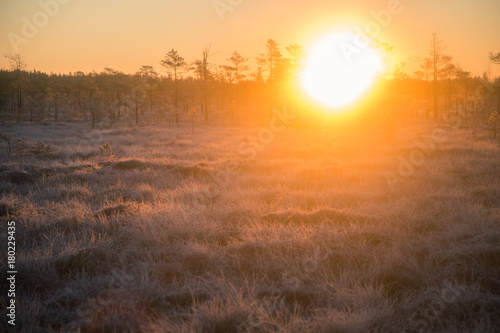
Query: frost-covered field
[{"x": 236, "y": 230}]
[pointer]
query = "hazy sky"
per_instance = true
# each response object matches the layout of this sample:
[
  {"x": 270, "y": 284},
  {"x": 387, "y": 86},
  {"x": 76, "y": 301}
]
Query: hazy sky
[{"x": 94, "y": 34}]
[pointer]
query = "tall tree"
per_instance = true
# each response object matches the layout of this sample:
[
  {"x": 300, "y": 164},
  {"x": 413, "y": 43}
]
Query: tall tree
[
  {"x": 220, "y": 81},
  {"x": 296, "y": 62},
  {"x": 79, "y": 78},
  {"x": 174, "y": 62},
  {"x": 235, "y": 73},
  {"x": 149, "y": 82},
  {"x": 297, "y": 55},
  {"x": 54, "y": 90},
  {"x": 237, "y": 67},
  {"x": 495, "y": 58},
  {"x": 17, "y": 65},
  {"x": 446, "y": 73},
  {"x": 271, "y": 60},
  {"x": 426, "y": 69},
  {"x": 92, "y": 93},
  {"x": 465, "y": 78},
  {"x": 437, "y": 58},
  {"x": 138, "y": 95},
  {"x": 203, "y": 71}
]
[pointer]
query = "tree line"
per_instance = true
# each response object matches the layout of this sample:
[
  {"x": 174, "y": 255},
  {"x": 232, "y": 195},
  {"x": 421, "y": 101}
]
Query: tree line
[{"x": 230, "y": 92}]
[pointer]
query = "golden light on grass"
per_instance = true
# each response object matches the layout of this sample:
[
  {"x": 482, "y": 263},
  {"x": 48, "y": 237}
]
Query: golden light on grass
[{"x": 339, "y": 71}]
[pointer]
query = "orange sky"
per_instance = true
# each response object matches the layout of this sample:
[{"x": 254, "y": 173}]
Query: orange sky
[{"x": 94, "y": 34}]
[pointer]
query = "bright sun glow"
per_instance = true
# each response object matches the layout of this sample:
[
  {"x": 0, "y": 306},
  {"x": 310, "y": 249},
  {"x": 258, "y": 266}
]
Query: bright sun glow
[{"x": 338, "y": 71}]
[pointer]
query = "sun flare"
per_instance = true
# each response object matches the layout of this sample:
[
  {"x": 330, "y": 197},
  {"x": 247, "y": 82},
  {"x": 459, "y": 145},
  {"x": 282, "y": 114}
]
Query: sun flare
[{"x": 338, "y": 72}]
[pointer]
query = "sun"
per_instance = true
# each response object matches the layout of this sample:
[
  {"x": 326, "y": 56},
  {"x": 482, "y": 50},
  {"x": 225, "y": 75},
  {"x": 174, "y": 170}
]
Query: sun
[{"x": 338, "y": 71}]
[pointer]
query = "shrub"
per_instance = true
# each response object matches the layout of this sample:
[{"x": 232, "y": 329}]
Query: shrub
[
  {"x": 41, "y": 151},
  {"x": 106, "y": 150}
]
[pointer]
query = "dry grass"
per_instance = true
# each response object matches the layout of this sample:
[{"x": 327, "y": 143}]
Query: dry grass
[{"x": 310, "y": 235}]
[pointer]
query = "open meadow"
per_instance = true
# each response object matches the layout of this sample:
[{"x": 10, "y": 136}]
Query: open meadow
[{"x": 255, "y": 229}]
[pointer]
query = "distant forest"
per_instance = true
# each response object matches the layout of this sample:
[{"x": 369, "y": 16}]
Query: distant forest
[{"x": 230, "y": 92}]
